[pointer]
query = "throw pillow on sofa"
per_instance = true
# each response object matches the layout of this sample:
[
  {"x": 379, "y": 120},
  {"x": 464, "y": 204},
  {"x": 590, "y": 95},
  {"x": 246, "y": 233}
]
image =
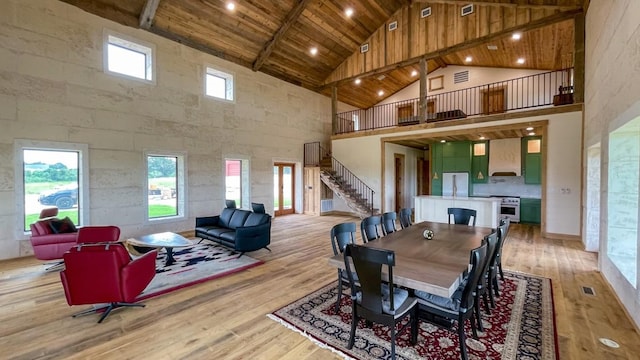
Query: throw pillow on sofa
[{"x": 62, "y": 226}]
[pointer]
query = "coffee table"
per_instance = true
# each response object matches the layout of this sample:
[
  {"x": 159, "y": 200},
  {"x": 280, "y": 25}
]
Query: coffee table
[{"x": 167, "y": 240}]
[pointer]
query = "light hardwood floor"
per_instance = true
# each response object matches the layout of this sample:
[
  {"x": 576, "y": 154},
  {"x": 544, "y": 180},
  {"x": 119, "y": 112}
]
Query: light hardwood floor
[{"x": 226, "y": 318}]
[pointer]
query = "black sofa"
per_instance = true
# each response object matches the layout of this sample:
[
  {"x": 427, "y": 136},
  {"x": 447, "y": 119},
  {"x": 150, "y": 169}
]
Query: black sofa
[{"x": 241, "y": 230}]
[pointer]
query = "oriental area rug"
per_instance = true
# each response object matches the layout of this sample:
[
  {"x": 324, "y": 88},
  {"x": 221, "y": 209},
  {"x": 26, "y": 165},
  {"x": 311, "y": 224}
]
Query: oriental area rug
[
  {"x": 194, "y": 265},
  {"x": 521, "y": 326}
]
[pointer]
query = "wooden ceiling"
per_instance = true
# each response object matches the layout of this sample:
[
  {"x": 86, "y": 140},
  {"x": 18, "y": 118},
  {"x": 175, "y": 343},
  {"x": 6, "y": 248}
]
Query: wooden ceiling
[{"x": 275, "y": 37}]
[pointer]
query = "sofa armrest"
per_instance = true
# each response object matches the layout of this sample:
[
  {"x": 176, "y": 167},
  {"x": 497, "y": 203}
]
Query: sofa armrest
[
  {"x": 39, "y": 240},
  {"x": 250, "y": 238},
  {"x": 137, "y": 274},
  {"x": 207, "y": 220}
]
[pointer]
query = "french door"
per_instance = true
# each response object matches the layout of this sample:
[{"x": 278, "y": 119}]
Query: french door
[{"x": 283, "y": 186}]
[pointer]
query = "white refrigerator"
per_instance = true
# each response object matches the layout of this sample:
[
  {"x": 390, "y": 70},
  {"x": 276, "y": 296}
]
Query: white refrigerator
[{"x": 455, "y": 184}]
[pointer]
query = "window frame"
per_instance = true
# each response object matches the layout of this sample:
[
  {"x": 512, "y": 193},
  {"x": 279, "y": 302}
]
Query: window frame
[
  {"x": 83, "y": 179},
  {"x": 132, "y": 44},
  {"x": 245, "y": 179},
  {"x": 181, "y": 187},
  {"x": 227, "y": 76}
]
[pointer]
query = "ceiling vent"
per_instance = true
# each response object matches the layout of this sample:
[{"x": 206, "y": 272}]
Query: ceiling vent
[
  {"x": 492, "y": 47},
  {"x": 425, "y": 12},
  {"x": 460, "y": 77},
  {"x": 393, "y": 26},
  {"x": 381, "y": 77},
  {"x": 364, "y": 48},
  {"x": 466, "y": 10}
]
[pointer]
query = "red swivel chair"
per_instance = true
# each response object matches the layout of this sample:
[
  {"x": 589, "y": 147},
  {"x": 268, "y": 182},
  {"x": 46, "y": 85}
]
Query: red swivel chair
[
  {"x": 98, "y": 234},
  {"x": 48, "y": 245},
  {"x": 104, "y": 273}
]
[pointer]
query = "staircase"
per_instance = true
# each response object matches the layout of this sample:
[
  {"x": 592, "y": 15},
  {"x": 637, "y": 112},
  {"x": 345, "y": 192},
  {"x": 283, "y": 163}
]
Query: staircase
[{"x": 355, "y": 193}]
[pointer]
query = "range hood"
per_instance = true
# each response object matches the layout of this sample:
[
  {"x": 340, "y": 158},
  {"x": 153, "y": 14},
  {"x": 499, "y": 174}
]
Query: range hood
[{"x": 505, "y": 157}]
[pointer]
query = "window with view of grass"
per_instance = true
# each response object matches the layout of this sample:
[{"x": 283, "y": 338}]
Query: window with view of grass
[
  {"x": 50, "y": 175},
  {"x": 165, "y": 193},
  {"x": 128, "y": 57}
]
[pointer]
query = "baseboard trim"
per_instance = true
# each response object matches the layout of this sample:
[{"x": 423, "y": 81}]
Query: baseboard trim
[
  {"x": 561, "y": 236},
  {"x": 338, "y": 213}
]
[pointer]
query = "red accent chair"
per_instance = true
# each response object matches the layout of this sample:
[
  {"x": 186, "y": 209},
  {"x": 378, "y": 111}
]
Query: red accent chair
[
  {"x": 98, "y": 234},
  {"x": 104, "y": 274},
  {"x": 46, "y": 244}
]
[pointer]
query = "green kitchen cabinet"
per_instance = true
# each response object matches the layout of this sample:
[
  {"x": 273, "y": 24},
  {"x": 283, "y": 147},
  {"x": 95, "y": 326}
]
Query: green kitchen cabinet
[
  {"x": 479, "y": 162},
  {"x": 456, "y": 156},
  {"x": 532, "y": 159},
  {"x": 436, "y": 169},
  {"x": 530, "y": 211}
]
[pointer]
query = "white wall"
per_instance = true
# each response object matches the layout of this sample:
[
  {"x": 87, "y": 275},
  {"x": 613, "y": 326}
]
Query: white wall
[
  {"x": 612, "y": 98},
  {"x": 53, "y": 88},
  {"x": 362, "y": 155}
]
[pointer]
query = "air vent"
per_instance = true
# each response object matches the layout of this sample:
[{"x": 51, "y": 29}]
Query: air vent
[
  {"x": 460, "y": 77},
  {"x": 381, "y": 77},
  {"x": 425, "y": 12},
  {"x": 393, "y": 26},
  {"x": 587, "y": 290},
  {"x": 364, "y": 48},
  {"x": 466, "y": 10}
]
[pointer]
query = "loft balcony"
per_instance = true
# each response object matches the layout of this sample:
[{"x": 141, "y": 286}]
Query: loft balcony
[{"x": 524, "y": 93}]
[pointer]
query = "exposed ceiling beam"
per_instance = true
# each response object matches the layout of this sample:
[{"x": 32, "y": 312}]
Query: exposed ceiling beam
[
  {"x": 552, "y": 19},
  {"x": 511, "y": 5},
  {"x": 292, "y": 17},
  {"x": 440, "y": 61},
  {"x": 148, "y": 13}
]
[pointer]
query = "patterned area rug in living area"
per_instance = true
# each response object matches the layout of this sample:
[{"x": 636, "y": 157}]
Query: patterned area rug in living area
[
  {"x": 194, "y": 265},
  {"x": 522, "y": 326}
]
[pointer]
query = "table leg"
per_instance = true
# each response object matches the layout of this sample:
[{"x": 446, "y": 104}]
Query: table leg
[{"x": 170, "y": 260}]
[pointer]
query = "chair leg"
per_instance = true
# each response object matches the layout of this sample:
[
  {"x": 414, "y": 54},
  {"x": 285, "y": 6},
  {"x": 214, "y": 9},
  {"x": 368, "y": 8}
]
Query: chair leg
[
  {"x": 491, "y": 291},
  {"x": 461, "y": 338},
  {"x": 485, "y": 298},
  {"x": 352, "y": 334},
  {"x": 414, "y": 326},
  {"x": 393, "y": 342},
  {"x": 266, "y": 247},
  {"x": 501, "y": 273},
  {"x": 339, "y": 293},
  {"x": 58, "y": 265},
  {"x": 496, "y": 286},
  {"x": 474, "y": 326},
  {"x": 116, "y": 305},
  {"x": 476, "y": 309}
]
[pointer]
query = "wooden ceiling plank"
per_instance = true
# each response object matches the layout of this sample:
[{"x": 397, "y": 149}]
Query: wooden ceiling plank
[
  {"x": 500, "y": 4},
  {"x": 557, "y": 17},
  {"x": 148, "y": 13},
  {"x": 292, "y": 17}
]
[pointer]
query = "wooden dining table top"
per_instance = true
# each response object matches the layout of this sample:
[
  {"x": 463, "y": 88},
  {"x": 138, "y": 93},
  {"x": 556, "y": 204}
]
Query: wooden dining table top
[{"x": 435, "y": 266}]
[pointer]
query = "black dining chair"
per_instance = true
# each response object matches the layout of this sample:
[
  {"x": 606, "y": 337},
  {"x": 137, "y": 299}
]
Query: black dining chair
[
  {"x": 462, "y": 216},
  {"x": 481, "y": 293},
  {"x": 405, "y": 217},
  {"x": 376, "y": 301},
  {"x": 341, "y": 235},
  {"x": 460, "y": 307},
  {"x": 370, "y": 227},
  {"x": 494, "y": 268},
  {"x": 506, "y": 221},
  {"x": 389, "y": 222}
]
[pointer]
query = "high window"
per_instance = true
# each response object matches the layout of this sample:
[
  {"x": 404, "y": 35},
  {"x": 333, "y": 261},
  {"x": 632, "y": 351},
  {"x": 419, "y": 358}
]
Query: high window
[
  {"x": 236, "y": 181},
  {"x": 51, "y": 174},
  {"x": 165, "y": 192},
  {"x": 219, "y": 84},
  {"x": 129, "y": 58}
]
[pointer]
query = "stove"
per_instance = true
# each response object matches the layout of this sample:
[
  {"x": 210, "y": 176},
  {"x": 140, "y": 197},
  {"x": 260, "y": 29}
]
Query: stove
[{"x": 509, "y": 207}]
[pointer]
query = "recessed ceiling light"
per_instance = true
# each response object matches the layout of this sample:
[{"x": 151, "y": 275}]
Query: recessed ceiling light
[
  {"x": 313, "y": 50},
  {"x": 520, "y": 61},
  {"x": 443, "y": 141},
  {"x": 348, "y": 12},
  {"x": 492, "y": 47},
  {"x": 358, "y": 81},
  {"x": 531, "y": 133},
  {"x": 380, "y": 93},
  {"x": 516, "y": 36},
  {"x": 482, "y": 138},
  {"x": 530, "y": 128},
  {"x": 414, "y": 73},
  {"x": 231, "y": 6},
  {"x": 468, "y": 59}
]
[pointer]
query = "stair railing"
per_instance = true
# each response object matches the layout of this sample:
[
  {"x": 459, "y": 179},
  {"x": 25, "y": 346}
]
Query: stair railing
[{"x": 313, "y": 155}]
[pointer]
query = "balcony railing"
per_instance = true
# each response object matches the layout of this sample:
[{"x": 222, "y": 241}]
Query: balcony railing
[{"x": 544, "y": 89}]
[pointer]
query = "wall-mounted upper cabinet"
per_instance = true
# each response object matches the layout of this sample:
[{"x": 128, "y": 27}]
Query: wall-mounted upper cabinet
[
  {"x": 456, "y": 156},
  {"x": 532, "y": 159},
  {"x": 480, "y": 162}
]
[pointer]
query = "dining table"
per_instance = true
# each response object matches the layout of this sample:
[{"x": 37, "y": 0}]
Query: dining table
[{"x": 436, "y": 265}]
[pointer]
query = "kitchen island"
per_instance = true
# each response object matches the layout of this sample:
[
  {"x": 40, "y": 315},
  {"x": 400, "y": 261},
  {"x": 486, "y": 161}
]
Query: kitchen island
[{"x": 434, "y": 208}]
